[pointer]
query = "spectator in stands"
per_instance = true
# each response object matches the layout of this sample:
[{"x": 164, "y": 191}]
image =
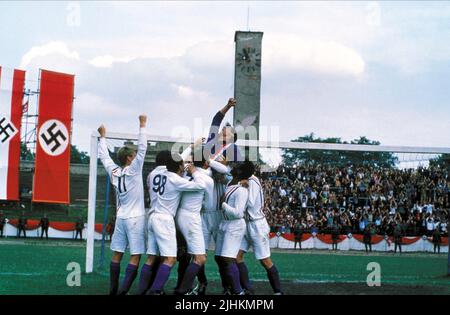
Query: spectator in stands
[
  {"x": 368, "y": 239},
  {"x": 2, "y": 222},
  {"x": 22, "y": 225},
  {"x": 79, "y": 226},
  {"x": 398, "y": 235},
  {"x": 437, "y": 239},
  {"x": 431, "y": 227},
  {"x": 44, "y": 225}
]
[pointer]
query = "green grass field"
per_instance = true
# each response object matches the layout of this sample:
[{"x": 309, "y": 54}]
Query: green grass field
[{"x": 39, "y": 267}]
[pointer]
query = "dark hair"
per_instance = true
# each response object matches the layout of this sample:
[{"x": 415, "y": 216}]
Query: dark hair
[
  {"x": 198, "y": 152},
  {"x": 243, "y": 170},
  {"x": 173, "y": 163},
  {"x": 123, "y": 154},
  {"x": 162, "y": 157}
]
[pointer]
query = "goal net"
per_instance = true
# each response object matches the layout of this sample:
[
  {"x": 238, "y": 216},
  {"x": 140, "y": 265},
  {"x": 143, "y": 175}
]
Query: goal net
[{"x": 320, "y": 187}]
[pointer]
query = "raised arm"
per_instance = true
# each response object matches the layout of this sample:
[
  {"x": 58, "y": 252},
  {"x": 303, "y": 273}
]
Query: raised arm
[
  {"x": 240, "y": 204},
  {"x": 217, "y": 120},
  {"x": 103, "y": 152},
  {"x": 138, "y": 161},
  {"x": 219, "y": 167}
]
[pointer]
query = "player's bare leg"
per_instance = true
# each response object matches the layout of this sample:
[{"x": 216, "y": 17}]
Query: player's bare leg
[
  {"x": 162, "y": 275},
  {"x": 243, "y": 273},
  {"x": 191, "y": 272},
  {"x": 114, "y": 271},
  {"x": 130, "y": 274},
  {"x": 146, "y": 274}
]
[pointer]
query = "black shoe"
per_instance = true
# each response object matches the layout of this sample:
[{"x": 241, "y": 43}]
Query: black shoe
[
  {"x": 249, "y": 292},
  {"x": 202, "y": 289},
  {"x": 278, "y": 293},
  {"x": 113, "y": 292}
]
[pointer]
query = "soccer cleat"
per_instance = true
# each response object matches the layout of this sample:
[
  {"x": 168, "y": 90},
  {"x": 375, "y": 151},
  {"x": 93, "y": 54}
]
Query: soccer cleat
[
  {"x": 249, "y": 292},
  {"x": 278, "y": 293},
  {"x": 202, "y": 289}
]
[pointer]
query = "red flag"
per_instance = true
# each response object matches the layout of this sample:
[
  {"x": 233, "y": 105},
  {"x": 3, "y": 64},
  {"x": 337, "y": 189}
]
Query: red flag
[
  {"x": 51, "y": 176},
  {"x": 11, "y": 96}
]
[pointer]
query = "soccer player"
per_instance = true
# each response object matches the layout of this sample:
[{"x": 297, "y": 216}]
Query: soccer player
[
  {"x": 232, "y": 228},
  {"x": 223, "y": 142},
  {"x": 257, "y": 235},
  {"x": 152, "y": 264},
  {"x": 189, "y": 220},
  {"x": 130, "y": 218},
  {"x": 169, "y": 186}
]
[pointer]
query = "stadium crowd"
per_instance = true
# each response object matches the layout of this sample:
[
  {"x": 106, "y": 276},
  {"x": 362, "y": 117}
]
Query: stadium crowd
[{"x": 321, "y": 198}]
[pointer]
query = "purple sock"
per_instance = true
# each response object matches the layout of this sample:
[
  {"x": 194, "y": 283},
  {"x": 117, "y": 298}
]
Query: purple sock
[
  {"x": 201, "y": 276},
  {"x": 243, "y": 276},
  {"x": 114, "y": 273},
  {"x": 144, "y": 280},
  {"x": 130, "y": 275},
  {"x": 274, "y": 279},
  {"x": 183, "y": 264},
  {"x": 232, "y": 273},
  {"x": 222, "y": 272},
  {"x": 189, "y": 277},
  {"x": 161, "y": 278}
]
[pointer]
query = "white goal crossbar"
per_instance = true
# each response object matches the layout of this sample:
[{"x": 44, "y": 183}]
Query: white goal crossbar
[{"x": 249, "y": 143}]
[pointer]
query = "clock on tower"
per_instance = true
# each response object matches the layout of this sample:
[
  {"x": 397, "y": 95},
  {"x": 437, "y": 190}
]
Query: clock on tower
[{"x": 247, "y": 81}]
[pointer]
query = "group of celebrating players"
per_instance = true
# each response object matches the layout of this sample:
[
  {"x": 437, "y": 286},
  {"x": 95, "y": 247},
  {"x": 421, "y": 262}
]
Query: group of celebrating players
[{"x": 209, "y": 192}]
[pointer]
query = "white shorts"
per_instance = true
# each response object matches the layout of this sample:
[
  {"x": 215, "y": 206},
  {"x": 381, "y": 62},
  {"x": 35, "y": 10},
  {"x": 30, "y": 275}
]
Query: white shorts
[
  {"x": 210, "y": 223},
  {"x": 257, "y": 236},
  {"x": 162, "y": 238},
  {"x": 129, "y": 233},
  {"x": 230, "y": 237},
  {"x": 190, "y": 225}
]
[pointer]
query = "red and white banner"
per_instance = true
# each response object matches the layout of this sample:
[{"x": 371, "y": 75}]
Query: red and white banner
[
  {"x": 11, "y": 97},
  {"x": 51, "y": 176}
]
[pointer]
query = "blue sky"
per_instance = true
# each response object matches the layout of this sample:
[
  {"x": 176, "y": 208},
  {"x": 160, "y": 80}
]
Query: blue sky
[{"x": 379, "y": 69}]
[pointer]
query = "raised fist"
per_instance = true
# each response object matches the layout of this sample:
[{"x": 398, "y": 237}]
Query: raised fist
[
  {"x": 102, "y": 131},
  {"x": 231, "y": 102},
  {"x": 143, "y": 120}
]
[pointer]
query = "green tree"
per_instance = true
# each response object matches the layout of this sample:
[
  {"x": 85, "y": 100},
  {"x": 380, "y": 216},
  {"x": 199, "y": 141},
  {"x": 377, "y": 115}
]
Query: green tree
[
  {"x": 442, "y": 160},
  {"x": 77, "y": 156},
  {"x": 25, "y": 153},
  {"x": 338, "y": 158}
]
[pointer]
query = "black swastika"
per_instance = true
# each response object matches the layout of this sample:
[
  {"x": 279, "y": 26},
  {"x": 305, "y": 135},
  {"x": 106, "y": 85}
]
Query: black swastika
[
  {"x": 6, "y": 130},
  {"x": 53, "y": 137}
]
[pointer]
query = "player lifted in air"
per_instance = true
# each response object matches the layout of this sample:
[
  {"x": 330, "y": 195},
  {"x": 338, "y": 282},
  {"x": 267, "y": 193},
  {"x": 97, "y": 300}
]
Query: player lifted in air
[
  {"x": 130, "y": 223},
  {"x": 232, "y": 228},
  {"x": 257, "y": 236},
  {"x": 169, "y": 186},
  {"x": 220, "y": 149}
]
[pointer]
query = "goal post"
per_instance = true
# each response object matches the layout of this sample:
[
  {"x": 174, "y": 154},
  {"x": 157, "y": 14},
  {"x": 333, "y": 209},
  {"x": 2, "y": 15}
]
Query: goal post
[{"x": 406, "y": 155}]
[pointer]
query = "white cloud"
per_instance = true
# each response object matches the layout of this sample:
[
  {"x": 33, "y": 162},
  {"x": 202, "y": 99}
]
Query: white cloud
[
  {"x": 289, "y": 51},
  {"x": 51, "y": 48},
  {"x": 107, "y": 61}
]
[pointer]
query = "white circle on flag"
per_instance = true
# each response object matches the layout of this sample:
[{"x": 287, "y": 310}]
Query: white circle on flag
[
  {"x": 7, "y": 130},
  {"x": 53, "y": 137}
]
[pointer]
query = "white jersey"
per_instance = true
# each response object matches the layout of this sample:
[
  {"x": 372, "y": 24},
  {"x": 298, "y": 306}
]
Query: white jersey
[
  {"x": 127, "y": 181},
  {"x": 194, "y": 201},
  {"x": 151, "y": 181},
  {"x": 255, "y": 199},
  {"x": 235, "y": 202},
  {"x": 169, "y": 190}
]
